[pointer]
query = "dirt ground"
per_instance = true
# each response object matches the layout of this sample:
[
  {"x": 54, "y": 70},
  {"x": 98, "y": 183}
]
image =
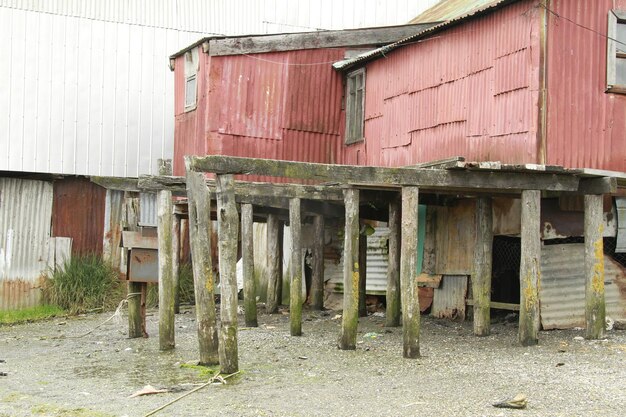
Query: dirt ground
[{"x": 51, "y": 372}]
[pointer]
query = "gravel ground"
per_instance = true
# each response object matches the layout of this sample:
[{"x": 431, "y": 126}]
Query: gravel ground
[{"x": 51, "y": 372}]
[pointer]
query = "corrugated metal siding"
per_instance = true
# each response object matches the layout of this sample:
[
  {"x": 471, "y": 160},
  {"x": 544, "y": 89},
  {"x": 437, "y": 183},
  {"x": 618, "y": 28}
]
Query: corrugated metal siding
[
  {"x": 562, "y": 291},
  {"x": 449, "y": 298},
  {"x": 25, "y": 221},
  {"x": 148, "y": 209},
  {"x": 462, "y": 92},
  {"x": 113, "y": 227},
  {"x": 585, "y": 125}
]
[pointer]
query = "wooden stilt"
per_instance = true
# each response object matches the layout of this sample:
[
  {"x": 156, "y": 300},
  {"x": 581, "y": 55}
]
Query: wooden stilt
[
  {"x": 204, "y": 284},
  {"x": 317, "y": 286},
  {"x": 481, "y": 277},
  {"x": 530, "y": 263},
  {"x": 136, "y": 304},
  {"x": 274, "y": 264},
  {"x": 595, "y": 313},
  {"x": 227, "y": 229},
  {"x": 176, "y": 260},
  {"x": 350, "y": 317},
  {"x": 393, "y": 269},
  {"x": 295, "y": 294},
  {"x": 247, "y": 254},
  {"x": 166, "y": 271},
  {"x": 409, "y": 272},
  {"x": 362, "y": 274}
]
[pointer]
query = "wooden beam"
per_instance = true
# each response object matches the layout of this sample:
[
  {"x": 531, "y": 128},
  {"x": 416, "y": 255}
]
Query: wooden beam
[
  {"x": 409, "y": 272},
  {"x": 384, "y": 176},
  {"x": 200, "y": 226},
  {"x": 604, "y": 185},
  {"x": 481, "y": 276},
  {"x": 166, "y": 271},
  {"x": 274, "y": 263},
  {"x": 530, "y": 264},
  {"x": 116, "y": 183},
  {"x": 295, "y": 270},
  {"x": 393, "y": 268},
  {"x": 247, "y": 255},
  {"x": 350, "y": 318},
  {"x": 317, "y": 282},
  {"x": 228, "y": 221},
  {"x": 441, "y": 163},
  {"x": 595, "y": 308}
]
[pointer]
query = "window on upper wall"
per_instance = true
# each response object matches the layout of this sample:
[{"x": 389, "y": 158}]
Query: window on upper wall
[
  {"x": 355, "y": 103},
  {"x": 191, "y": 81},
  {"x": 616, "y": 52}
]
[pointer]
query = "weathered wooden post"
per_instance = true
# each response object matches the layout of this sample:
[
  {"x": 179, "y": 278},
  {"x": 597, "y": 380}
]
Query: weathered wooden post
[
  {"x": 176, "y": 260},
  {"x": 362, "y": 273},
  {"x": 137, "y": 290},
  {"x": 247, "y": 254},
  {"x": 481, "y": 276},
  {"x": 409, "y": 272},
  {"x": 530, "y": 267},
  {"x": 393, "y": 268},
  {"x": 295, "y": 293},
  {"x": 317, "y": 284},
  {"x": 350, "y": 319},
  {"x": 227, "y": 230},
  {"x": 595, "y": 314},
  {"x": 200, "y": 241},
  {"x": 166, "y": 271},
  {"x": 274, "y": 264}
]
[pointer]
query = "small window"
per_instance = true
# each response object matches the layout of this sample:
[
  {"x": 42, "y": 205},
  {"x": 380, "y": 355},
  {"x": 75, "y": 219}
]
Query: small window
[
  {"x": 190, "y": 92},
  {"x": 355, "y": 102},
  {"x": 191, "y": 79},
  {"x": 616, "y": 52}
]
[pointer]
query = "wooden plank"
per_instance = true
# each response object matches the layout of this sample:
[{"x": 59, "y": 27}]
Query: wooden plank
[
  {"x": 274, "y": 263},
  {"x": 530, "y": 264},
  {"x": 392, "y": 318},
  {"x": 295, "y": 269},
  {"x": 455, "y": 235},
  {"x": 134, "y": 239},
  {"x": 200, "y": 226},
  {"x": 604, "y": 185},
  {"x": 595, "y": 308},
  {"x": 408, "y": 273},
  {"x": 136, "y": 290},
  {"x": 384, "y": 176},
  {"x": 429, "y": 281},
  {"x": 350, "y": 318},
  {"x": 247, "y": 255},
  {"x": 481, "y": 275},
  {"x": 498, "y": 305},
  {"x": 362, "y": 274},
  {"x": 228, "y": 230},
  {"x": 441, "y": 163},
  {"x": 317, "y": 282},
  {"x": 116, "y": 183},
  {"x": 312, "y": 40}
]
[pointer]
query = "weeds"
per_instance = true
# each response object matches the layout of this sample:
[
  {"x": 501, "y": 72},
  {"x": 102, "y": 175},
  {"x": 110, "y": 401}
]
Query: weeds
[
  {"x": 29, "y": 314},
  {"x": 185, "y": 288}
]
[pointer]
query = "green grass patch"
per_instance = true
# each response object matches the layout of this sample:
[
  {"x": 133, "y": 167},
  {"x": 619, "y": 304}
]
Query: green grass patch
[
  {"x": 203, "y": 371},
  {"x": 52, "y": 410},
  {"x": 30, "y": 314}
]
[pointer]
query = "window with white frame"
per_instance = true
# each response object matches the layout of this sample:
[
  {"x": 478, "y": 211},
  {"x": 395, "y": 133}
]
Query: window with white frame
[
  {"x": 616, "y": 52},
  {"x": 191, "y": 82},
  {"x": 355, "y": 103}
]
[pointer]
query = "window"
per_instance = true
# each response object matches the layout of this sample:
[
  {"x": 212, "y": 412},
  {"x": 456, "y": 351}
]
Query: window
[
  {"x": 191, "y": 79},
  {"x": 190, "y": 92},
  {"x": 616, "y": 52},
  {"x": 355, "y": 102}
]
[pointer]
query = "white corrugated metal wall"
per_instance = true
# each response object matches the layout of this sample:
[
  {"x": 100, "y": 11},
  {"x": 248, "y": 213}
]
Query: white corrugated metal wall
[{"x": 85, "y": 88}]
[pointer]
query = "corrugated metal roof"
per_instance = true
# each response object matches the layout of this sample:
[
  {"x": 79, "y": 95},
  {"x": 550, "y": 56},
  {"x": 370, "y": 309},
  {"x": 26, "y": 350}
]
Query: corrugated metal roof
[{"x": 452, "y": 9}]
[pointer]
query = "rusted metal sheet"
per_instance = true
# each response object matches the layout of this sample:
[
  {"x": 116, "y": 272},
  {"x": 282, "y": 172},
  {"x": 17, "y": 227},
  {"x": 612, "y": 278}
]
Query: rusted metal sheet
[
  {"x": 131, "y": 240},
  {"x": 113, "y": 227},
  {"x": 449, "y": 298},
  {"x": 455, "y": 238},
  {"x": 578, "y": 107},
  {"x": 144, "y": 265},
  {"x": 562, "y": 292},
  {"x": 147, "y": 209}
]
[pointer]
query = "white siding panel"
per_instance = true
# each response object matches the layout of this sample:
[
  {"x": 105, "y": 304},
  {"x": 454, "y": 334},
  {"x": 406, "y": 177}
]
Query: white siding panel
[{"x": 5, "y": 86}]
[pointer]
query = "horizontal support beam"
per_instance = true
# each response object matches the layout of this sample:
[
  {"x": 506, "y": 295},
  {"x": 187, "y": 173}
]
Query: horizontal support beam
[
  {"x": 385, "y": 176},
  {"x": 603, "y": 185}
]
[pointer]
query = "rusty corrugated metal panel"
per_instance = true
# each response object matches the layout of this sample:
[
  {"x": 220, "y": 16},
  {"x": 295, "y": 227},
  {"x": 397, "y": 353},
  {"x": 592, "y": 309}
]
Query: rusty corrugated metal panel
[
  {"x": 78, "y": 213},
  {"x": 562, "y": 291},
  {"x": 147, "y": 209},
  {"x": 25, "y": 220},
  {"x": 449, "y": 298},
  {"x": 585, "y": 125}
]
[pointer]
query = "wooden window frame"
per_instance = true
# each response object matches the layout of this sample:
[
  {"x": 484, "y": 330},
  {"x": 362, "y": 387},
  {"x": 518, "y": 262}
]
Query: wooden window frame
[
  {"x": 616, "y": 17},
  {"x": 351, "y": 109},
  {"x": 189, "y": 105},
  {"x": 191, "y": 74}
]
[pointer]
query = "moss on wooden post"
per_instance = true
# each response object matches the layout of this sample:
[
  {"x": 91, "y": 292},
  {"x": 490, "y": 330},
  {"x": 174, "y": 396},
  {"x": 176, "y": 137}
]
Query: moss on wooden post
[
  {"x": 393, "y": 269},
  {"x": 481, "y": 276},
  {"x": 137, "y": 300},
  {"x": 317, "y": 284},
  {"x": 176, "y": 260},
  {"x": 409, "y": 272},
  {"x": 227, "y": 229},
  {"x": 362, "y": 274},
  {"x": 595, "y": 309},
  {"x": 166, "y": 271},
  {"x": 247, "y": 254},
  {"x": 200, "y": 226},
  {"x": 350, "y": 319},
  {"x": 530, "y": 268},
  {"x": 295, "y": 270},
  {"x": 274, "y": 264}
]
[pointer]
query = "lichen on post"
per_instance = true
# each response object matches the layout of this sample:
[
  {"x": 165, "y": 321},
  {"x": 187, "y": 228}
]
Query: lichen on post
[
  {"x": 595, "y": 308},
  {"x": 247, "y": 255},
  {"x": 393, "y": 269},
  {"x": 350, "y": 319},
  {"x": 166, "y": 271},
  {"x": 317, "y": 284},
  {"x": 481, "y": 276},
  {"x": 530, "y": 268},
  {"x": 295, "y": 295},
  {"x": 274, "y": 263},
  {"x": 409, "y": 272}
]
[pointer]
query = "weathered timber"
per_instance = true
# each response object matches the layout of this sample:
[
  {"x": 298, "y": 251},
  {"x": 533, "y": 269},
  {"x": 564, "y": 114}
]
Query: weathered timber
[
  {"x": 312, "y": 40},
  {"x": 274, "y": 263},
  {"x": 595, "y": 308},
  {"x": 247, "y": 254},
  {"x": 200, "y": 241},
  {"x": 605, "y": 185},
  {"x": 295, "y": 269},
  {"x": 317, "y": 284},
  {"x": 137, "y": 290},
  {"x": 481, "y": 276},
  {"x": 228, "y": 221},
  {"x": 408, "y": 273},
  {"x": 530, "y": 271},
  {"x": 384, "y": 176},
  {"x": 116, "y": 183},
  {"x": 176, "y": 260},
  {"x": 441, "y": 163},
  {"x": 166, "y": 271},
  {"x": 393, "y": 268},
  {"x": 362, "y": 274},
  {"x": 350, "y": 318}
]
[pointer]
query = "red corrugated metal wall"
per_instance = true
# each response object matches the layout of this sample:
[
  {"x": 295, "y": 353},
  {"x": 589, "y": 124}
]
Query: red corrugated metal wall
[
  {"x": 586, "y": 126},
  {"x": 78, "y": 212},
  {"x": 470, "y": 90}
]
